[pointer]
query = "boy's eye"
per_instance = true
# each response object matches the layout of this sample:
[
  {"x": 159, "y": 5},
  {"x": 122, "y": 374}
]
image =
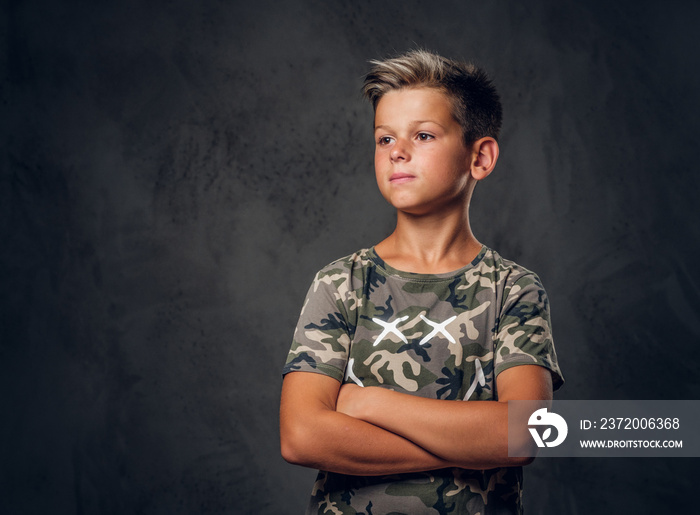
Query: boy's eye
[
  {"x": 384, "y": 140},
  {"x": 424, "y": 136}
]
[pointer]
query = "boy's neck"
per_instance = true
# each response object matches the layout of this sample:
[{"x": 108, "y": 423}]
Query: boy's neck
[{"x": 431, "y": 244}]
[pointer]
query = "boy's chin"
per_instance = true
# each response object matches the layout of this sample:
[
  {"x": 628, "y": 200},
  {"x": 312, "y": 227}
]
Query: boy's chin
[
  {"x": 428, "y": 209},
  {"x": 416, "y": 211}
]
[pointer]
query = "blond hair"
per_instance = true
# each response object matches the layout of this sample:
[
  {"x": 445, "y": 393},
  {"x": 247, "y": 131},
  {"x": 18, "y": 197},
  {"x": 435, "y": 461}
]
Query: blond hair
[{"x": 475, "y": 102}]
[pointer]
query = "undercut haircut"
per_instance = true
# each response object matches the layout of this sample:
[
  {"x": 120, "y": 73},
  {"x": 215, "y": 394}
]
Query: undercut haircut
[{"x": 476, "y": 105}]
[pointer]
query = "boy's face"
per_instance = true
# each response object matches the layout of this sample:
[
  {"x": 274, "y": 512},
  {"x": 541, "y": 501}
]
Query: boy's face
[{"x": 420, "y": 160}]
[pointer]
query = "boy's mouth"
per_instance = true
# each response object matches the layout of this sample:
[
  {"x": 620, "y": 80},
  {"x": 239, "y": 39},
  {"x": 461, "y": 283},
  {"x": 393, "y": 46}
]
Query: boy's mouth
[{"x": 399, "y": 177}]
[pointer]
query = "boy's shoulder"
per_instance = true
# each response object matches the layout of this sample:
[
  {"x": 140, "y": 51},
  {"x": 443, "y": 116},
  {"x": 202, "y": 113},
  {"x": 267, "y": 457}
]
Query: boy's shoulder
[
  {"x": 507, "y": 267},
  {"x": 360, "y": 259},
  {"x": 341, "y": 269}
]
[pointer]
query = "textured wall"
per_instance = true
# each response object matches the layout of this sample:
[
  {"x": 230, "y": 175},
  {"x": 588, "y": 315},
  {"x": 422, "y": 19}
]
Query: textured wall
[{"x": 173, "y": 173}]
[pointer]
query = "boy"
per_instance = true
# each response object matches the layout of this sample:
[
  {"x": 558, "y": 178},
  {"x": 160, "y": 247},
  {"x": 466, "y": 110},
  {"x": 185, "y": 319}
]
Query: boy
[{"x": 393, "y": 339}]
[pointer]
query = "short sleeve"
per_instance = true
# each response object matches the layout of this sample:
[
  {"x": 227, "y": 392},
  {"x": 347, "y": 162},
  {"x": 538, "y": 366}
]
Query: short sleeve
[
  {"x": 524, "y": 333},
  {"x": 322, "y": 337}
]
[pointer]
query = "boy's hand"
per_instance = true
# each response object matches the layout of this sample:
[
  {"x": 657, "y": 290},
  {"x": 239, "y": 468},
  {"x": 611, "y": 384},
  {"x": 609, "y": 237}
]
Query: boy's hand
[
  {"x": 350, "y": 400},
  {"x": 359, "y": 402}
]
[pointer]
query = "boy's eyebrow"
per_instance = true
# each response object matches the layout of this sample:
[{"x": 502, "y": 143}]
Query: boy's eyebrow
[{"x": 415, "y": 122}]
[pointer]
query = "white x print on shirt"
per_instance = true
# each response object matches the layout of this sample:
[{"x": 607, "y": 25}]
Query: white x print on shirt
[
  {"x": 438, "y": 328},
  {"x": 389, "y": 327}
]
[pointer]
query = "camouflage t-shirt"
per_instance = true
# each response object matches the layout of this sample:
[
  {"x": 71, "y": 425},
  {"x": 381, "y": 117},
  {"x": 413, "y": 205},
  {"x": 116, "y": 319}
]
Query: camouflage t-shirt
[{"x": 441, "y": 336}]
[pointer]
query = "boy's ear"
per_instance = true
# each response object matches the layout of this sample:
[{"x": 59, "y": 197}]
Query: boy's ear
[{"x": 484, "y": 157}]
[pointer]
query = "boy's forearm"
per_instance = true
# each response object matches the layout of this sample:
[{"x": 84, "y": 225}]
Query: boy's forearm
[
  {"x": 314, "y": 435},
  {"x": 339, "y": 443},
  {"x": 471, "y": 434}
]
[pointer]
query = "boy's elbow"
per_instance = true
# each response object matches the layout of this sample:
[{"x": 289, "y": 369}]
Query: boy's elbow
[
  {"x": 294, "y": 454},
  {"x": 291, "y": 444},
  {"x": 521, "y": 461},
  {"x": 288, "y": 450},
  {"x": 522, "y": 448},
  {"x": 290, "y": 454},
  {"x": 295, "y": 444}
]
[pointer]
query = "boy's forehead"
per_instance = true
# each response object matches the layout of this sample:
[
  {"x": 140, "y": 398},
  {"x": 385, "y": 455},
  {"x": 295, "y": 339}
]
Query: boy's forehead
[
  {"x": 416, "y": 104},
  {"x": 412, "y": 93}
]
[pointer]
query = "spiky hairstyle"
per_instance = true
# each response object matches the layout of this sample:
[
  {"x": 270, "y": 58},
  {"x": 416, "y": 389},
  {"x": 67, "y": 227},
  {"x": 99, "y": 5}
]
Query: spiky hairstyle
[{"x": 475, "y": 102}]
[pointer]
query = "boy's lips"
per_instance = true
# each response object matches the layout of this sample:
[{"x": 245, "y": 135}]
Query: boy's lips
[{"x": 399, "y": 177}]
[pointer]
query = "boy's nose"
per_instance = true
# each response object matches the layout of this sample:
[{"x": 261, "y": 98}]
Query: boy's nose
[{"x": 399, "y": 152}]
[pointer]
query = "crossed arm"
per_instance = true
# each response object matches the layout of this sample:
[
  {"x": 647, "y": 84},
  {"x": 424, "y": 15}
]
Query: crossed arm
[{"x": 376, "y": 431}]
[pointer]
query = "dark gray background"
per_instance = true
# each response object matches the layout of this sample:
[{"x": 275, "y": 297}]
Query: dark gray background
[{"x": 174, "y": 172}]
